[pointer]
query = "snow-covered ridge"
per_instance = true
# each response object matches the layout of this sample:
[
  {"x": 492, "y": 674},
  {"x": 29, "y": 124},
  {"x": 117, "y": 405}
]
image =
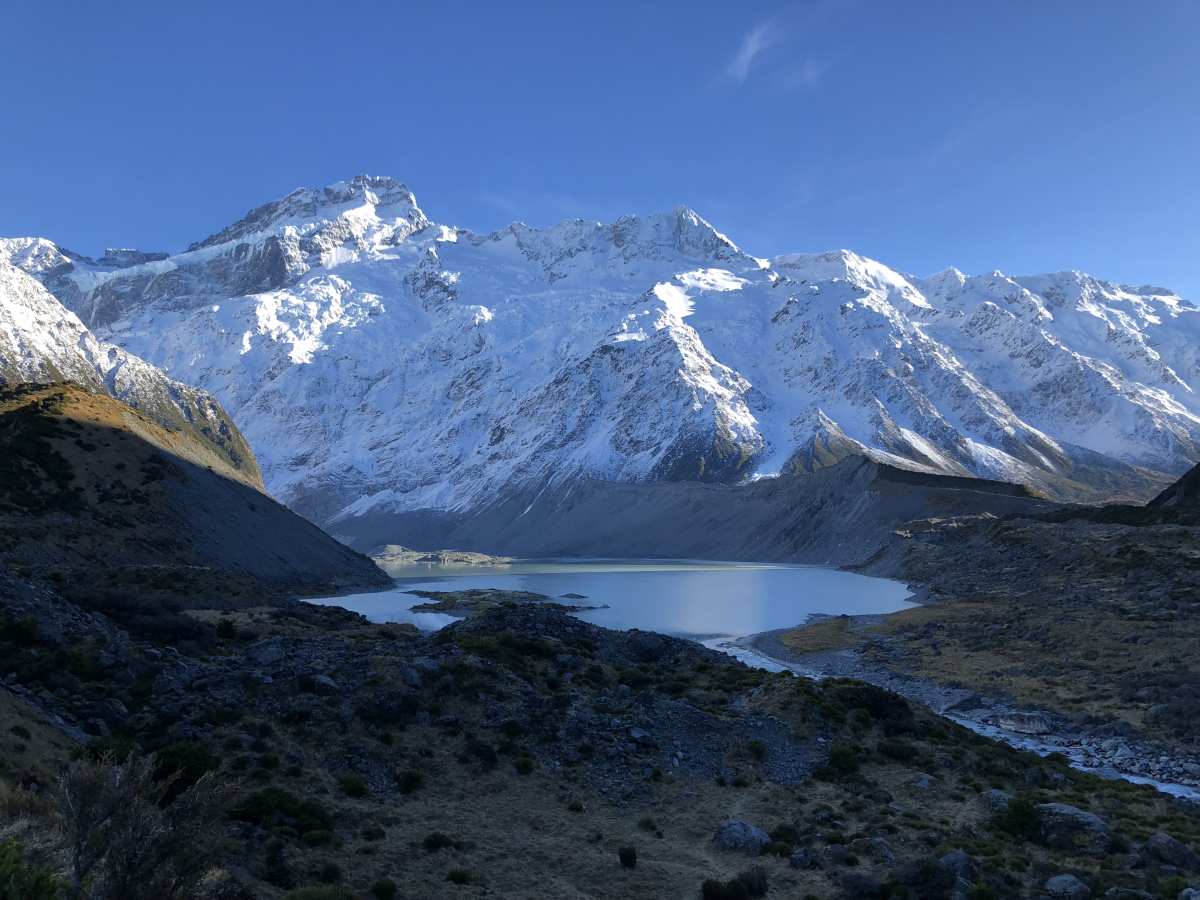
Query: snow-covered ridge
[
  {"x": 364, "y": 196},
  {"x": 41, "y": 341},
  {"x": 379, "y": 362}
]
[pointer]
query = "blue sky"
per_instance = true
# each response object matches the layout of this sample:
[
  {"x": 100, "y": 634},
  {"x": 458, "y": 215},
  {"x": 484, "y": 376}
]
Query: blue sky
[{"x": 1020, "y": 136}]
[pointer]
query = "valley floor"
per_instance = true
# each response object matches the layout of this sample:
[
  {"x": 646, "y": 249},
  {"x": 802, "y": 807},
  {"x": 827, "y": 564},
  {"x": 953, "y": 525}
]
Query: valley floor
[{"x": 1083, "y": 627}]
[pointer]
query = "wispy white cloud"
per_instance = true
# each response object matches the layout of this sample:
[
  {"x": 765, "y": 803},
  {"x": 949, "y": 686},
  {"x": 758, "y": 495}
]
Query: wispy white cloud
[{"x": 754, "y": 42}]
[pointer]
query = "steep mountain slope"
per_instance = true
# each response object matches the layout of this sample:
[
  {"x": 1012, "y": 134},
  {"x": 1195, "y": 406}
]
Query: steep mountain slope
[
  {"x": 383, "y": 365},
  {"x": 1183, "y": 493},
  {"x": 119, "y": 512},
  {"x": 41, "y": 341},
  {"x": 842, "y": 514}
]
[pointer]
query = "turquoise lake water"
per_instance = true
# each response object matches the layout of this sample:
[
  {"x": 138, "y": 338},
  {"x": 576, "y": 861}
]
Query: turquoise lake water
[{"x": 686, "y": 598}]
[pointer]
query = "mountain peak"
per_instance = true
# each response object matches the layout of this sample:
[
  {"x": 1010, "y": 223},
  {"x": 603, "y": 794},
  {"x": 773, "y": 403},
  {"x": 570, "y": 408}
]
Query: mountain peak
[
  {"x": 381, "y": 193},
  {"x": 682, "y": 228}
]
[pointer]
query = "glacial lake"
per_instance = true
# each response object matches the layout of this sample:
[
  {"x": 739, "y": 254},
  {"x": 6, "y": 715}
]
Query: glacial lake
[{"x": 703, "y": 601}]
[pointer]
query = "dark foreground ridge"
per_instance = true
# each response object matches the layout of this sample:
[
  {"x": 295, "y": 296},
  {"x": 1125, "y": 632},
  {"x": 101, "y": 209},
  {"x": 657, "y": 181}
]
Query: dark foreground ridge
[
  {"x": 523, "y": 753},
  {"x": 1185, "y": 493},
  {"x": 126, "y": 516}
]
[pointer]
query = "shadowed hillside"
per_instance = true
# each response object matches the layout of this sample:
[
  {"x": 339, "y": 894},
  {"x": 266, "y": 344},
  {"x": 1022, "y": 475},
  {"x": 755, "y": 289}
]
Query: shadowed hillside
[
  {"x": 841, "y": 514},
  {"x": 118, "y": 511},
  {"x": 1183, "y": 493}
]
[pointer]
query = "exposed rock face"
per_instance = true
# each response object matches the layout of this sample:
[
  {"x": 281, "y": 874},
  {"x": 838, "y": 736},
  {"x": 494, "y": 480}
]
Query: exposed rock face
[
  {"x": 382, "y": 364},
  {"x": 742, "y": 836},
  {"x": 1067, "y": 887},
  {"x": 1163, "y": 848},
  {"x": 1064, "y": 825}
]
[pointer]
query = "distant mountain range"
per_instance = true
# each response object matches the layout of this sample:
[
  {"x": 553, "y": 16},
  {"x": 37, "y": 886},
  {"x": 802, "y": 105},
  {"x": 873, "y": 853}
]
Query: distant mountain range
[{"x": 388, "y": 368}]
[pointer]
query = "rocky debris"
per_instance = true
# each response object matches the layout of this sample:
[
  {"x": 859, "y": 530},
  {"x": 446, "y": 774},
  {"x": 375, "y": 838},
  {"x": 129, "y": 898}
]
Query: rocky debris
[
  {"x": 651, "y": 730},
  {"x": 1162, "y": 848},
  {"x": 1064, "y": 826},
  {"x": 996, "y": 799},
  {"x": 962, "y": 701},
  {"x": 474, "y": 601},
  {"x": 874, "y": 848},
  {"x": 835, "y": 855},
  {"x": 804, "y": 858},
  {"x": 394, "y": 556},
  {"x": 324, "y": 683},
  {"x": 641, "y": 737},
  {"x": 1067, "y": 887},
  {"x": 264, "y": 653},
  {"x": 1092, "y": 747},
  {"x": 1025, "y": 723},
  {"x": 961, "y": 864},
  {"x": 741, "y": 836},
  {"x": 1188, "y": 893}
]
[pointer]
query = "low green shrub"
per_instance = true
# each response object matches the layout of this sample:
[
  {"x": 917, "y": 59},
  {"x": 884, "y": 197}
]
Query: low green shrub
[
  {"x": 22, "y": 880},
  {"x": 898, "y": 749},
  {"x": 1021, "y": 818},
  {"x": 409, "y": 781},
  {"x": 749, "y": 884},
  {"x": 274, "y": 807},
  {"x": 181, "y": 764},
  {"x": 436, "y": 840},
  {"x": 352, "y": 785}
]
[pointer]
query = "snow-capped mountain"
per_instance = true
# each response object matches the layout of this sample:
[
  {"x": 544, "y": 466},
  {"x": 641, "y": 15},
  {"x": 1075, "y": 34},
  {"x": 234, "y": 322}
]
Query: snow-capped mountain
[
  {"x": 381, "y": 364},
  {"x": 42, "y": 341}
]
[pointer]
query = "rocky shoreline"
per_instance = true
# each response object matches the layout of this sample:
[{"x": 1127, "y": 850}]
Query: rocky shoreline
[
  {"x": 475, "y": 601},
  {"x": 390, "y": 557},
  {"x": 1107, "y": 750}
]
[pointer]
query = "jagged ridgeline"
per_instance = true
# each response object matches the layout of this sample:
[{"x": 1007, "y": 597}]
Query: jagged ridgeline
[{"x": 390, "y": 369}]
